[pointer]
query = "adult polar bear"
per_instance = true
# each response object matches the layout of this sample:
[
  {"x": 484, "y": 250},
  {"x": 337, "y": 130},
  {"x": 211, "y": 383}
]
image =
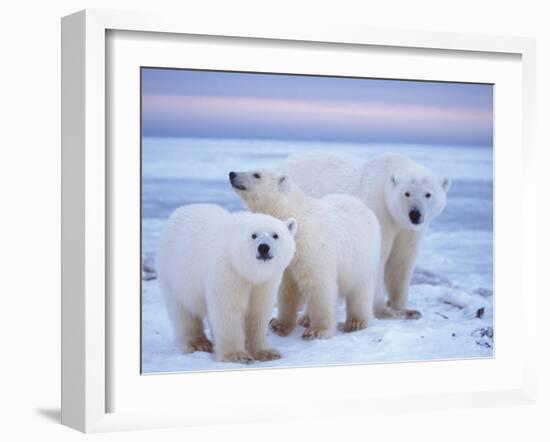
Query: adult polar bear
[
  {"x": 405, "y": 197},
  {"x": 337, "y": 252}
]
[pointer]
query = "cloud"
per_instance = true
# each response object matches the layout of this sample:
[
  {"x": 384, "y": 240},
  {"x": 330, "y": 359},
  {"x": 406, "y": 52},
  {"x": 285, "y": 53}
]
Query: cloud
[{"x": 208, "y": 115}]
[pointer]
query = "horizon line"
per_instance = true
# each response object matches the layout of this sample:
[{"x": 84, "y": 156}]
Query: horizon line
[{"x": 315, "y": 140}]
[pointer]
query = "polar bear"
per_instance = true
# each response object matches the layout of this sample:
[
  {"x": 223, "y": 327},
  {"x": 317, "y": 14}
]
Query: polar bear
[
  {"x": 339, "y": 238},
  {"x": 227, "y": 267},
  {"x": 405, "y": 197}
]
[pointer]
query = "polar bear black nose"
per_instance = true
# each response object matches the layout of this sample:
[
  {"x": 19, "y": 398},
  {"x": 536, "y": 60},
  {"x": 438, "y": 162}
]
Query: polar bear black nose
[
  {"x": 263, "y": 249},
  {"x": 415, "y": 216},
  {"x": 232, "y": 175}
]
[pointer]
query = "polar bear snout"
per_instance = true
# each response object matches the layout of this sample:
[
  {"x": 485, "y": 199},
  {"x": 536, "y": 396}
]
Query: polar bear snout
[
  {"x": 415, "y": 216},
  {"x": 263, "y": 252},
  {"x": 235, "y": 181}
]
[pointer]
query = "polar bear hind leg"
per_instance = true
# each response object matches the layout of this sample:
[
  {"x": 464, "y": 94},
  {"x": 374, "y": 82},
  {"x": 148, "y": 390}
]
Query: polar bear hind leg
[
  {"x": 190, "y": 332},
  {"x": 359, "y": 306},
  {"x": 356, "y": 317},
  {"x": 356, "y": 302}
]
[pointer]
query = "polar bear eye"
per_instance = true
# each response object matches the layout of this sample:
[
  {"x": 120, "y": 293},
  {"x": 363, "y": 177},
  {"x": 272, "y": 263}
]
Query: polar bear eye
[
  {"x": 254, "y": 236},
  {"x": 256, "y": 175},
  {"x": 428, "y": 195},
  {"x": 407, "y": 194},
  {"x": 275, "y": 236}
]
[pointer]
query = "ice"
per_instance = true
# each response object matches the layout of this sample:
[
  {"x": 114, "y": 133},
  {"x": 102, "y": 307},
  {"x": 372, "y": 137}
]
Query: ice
[{"x": 452, "y": 285}]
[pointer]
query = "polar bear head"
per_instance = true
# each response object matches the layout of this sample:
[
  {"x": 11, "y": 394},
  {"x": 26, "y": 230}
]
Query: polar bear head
[
  {"x": 261, "y": 190},
  {"x": 417, "y": 199},
  {"x": 262, "y": 246}
]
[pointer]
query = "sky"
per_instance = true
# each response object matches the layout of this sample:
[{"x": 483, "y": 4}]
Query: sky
[{"x": 215, "y": 104}]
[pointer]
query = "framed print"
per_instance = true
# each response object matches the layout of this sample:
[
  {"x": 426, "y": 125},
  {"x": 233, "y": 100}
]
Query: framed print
[{"x": 251, "y": 213}]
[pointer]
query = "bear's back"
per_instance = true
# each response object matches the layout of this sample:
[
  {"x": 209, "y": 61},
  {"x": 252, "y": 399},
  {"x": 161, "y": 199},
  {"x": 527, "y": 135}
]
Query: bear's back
[
  {"x": 321, "y": 173},
  {"x": 192, "y": 235},
  {"x": 347, "y": 206}
]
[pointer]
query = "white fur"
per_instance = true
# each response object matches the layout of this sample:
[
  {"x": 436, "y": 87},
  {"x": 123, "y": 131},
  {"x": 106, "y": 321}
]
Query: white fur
[
  {"x": 208, "y": 266},
  {"x": 381, "y": 184},
  {"x": 339, "y": 237}
]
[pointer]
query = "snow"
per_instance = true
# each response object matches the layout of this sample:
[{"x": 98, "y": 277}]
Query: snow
[{"x": 452, "y": 285}]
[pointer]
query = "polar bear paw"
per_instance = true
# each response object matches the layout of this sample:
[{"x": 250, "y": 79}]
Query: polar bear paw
[
  {"x": 200, "y": 344},
  {"x": 279, "y": 327},
  {"x": 241, "y": 357},
  {"x": 266, "y": 354},
  {"x": 304, "y": 321},
  {"x": 316, "y": 333},
  {"x": 352, "y": 325}
]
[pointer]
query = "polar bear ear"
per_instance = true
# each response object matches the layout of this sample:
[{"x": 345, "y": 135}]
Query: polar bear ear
[
  {"x": 446, "y": 183},
  {"x": 283, "y": 183},
  {"x": 394, "y": 180},
  {"x": 292, "y": 226}
]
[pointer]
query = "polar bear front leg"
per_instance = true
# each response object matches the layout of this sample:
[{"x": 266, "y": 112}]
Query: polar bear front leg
[
  {"x": 399, "y": 269},
  {"x": 257, "y": 318},
  {"x": 226, "y": 312},
  {"x": 288, "y": 304},
  {"x": 381, "y": 308},
  {"x": 188, "y": 328},
  {"x": 321, "y": 296}
]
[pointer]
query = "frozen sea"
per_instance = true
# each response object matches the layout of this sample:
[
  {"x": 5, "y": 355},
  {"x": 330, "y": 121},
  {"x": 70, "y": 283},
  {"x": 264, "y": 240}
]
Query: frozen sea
[{"x": 452, "y": 285}]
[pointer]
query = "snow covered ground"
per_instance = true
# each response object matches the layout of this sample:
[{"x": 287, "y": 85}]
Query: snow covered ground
[{"x": 452, "y": 285}]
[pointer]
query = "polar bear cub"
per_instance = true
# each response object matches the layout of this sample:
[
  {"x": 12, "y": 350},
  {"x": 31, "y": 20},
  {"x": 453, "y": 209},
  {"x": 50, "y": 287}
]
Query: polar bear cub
[
  {"x": 339, "y": 238},
  {"x": 227, "y": 267},
  {"x": 405, "y": 196}
]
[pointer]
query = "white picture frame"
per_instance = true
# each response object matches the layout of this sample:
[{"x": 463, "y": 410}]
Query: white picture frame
[{"x": 87, "y": 206}]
